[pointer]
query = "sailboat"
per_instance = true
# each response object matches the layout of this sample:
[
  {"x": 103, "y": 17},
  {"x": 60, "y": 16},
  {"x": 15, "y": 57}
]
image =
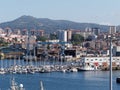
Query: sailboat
[
  {"x": 2, "y": 70},
  {"x": 14, "y": 85}
]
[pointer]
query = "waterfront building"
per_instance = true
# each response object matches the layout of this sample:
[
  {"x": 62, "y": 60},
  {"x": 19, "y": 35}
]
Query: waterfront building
[
  {"x": 54, "y": 42},
  {"x": 72, "y": 53},
  {"x": 100, "y": 62}
]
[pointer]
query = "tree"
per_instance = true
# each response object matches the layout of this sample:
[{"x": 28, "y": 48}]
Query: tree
[
  {"x": 41, "y": 38},
  {"x": 3, "y": 43},
  {"x": 77, "y": 39},
  {"x": 53, "y": 36}
]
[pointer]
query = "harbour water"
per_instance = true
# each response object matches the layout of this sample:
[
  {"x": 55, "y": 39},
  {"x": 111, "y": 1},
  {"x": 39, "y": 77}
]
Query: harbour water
[
  {"x": 84, "y": 80},
  {"x": 87, "y": 80}
]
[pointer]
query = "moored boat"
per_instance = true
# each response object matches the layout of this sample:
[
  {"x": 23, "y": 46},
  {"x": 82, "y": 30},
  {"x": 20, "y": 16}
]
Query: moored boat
[
  {"x": 74, "y": 70},
  {"x": 2, "y": 71},
  {"x": 14, "y": 85},
  {"x": 118, "y": 80},
  {"x": 87, "y": 68}
]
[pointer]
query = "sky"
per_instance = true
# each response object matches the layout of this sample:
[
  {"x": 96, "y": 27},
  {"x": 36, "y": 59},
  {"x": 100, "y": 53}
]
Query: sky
[{"x": 84, "y": 11}]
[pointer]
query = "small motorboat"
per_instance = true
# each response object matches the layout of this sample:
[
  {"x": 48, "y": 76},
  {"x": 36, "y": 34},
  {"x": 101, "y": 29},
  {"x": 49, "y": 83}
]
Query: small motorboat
[{"x": 118, "y": 80}]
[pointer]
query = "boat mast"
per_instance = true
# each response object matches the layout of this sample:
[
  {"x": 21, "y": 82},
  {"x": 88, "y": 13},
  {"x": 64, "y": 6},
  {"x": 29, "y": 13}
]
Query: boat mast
[
  {"x": 27, "y": 48},
  {"x": 41, "y": 86}
]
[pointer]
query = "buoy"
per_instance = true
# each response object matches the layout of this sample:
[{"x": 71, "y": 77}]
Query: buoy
[{"x": 21, "y": 85}]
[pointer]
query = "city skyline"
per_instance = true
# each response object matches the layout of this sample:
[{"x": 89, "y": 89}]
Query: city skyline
[{"x": 101, "y": 12}]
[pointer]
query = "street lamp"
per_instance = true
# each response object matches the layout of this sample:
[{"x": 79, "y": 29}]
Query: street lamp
[{"x": 110, "y": 82}]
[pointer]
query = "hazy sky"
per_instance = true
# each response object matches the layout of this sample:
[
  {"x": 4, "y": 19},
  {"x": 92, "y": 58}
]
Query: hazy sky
[{"x": 93, "y": 11}]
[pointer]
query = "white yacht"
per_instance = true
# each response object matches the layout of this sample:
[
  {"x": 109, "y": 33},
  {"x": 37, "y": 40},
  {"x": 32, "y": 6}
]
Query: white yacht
[
  {"x": 87, "y": 68},
  {"x": 2, "y": 71},
  {"x": 74, "y": 70}
]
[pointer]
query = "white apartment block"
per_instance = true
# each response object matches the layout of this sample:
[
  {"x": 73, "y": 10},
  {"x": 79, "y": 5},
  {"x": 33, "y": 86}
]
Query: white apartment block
[
  {"x": 62, "y": 35},
  {"x": 112, "y": 30}
]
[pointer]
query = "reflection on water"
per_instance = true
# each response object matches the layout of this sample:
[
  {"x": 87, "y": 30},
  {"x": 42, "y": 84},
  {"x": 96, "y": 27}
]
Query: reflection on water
[{"x": 96, "y": 75}]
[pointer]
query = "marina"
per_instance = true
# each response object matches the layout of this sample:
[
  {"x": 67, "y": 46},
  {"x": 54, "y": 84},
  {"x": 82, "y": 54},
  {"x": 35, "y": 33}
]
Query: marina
[
  {"x": 14, "y": 66},
  {"x": 19, "y": 66}
]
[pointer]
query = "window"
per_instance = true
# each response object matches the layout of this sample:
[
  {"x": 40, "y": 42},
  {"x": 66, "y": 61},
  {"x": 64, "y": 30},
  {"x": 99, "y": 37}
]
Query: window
[
  {"x": 100, "y": 60},
  {"x": 91, "y": 59}
]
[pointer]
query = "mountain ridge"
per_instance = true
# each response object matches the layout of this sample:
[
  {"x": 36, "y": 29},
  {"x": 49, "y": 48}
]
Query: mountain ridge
[{"x": 49, "y": 25}]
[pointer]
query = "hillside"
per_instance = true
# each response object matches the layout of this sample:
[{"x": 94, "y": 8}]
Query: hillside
[{"x": 29, "y": 22}]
